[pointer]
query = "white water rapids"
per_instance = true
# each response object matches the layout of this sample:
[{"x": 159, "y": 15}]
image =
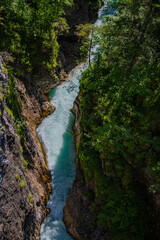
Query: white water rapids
[{"x": 55, "y": 133}]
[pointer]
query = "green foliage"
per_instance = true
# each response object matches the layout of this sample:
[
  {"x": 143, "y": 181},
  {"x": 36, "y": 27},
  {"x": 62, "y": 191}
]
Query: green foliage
[
  {"x": 14, "y": 107},
  {"x": 25, "y": 163},
  {"x": 12, "y": 100},
  {"x": 9, "y": 112},
  {"x": 1, "y": 19},
  {"x": 85, "y": 34},
  {"x": 15, "y": 111},
  {"x": 31, "y": 199},
  {"x": 119, "y": 199},
  {"x": 17, "y": 176},
  {"x": 120, "y": 124},
  {"x": 95, "y": 4},
  {"x": 30, "y": 30},
  {"x": 1, "y": 97},
  {"x": 154, "y": 188},
  {"x": 121, "y": 212},
  {"x": 22, "y": 183},
  {"x": 22, "y": 219}
]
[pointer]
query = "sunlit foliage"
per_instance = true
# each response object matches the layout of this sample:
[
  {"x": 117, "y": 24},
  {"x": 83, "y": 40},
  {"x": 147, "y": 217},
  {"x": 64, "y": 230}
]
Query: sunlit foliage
[{"x": 30, "y": 30}]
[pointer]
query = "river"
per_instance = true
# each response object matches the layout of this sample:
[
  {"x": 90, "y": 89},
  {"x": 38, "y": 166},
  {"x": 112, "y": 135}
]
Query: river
[{"x": 55, "y": 132}]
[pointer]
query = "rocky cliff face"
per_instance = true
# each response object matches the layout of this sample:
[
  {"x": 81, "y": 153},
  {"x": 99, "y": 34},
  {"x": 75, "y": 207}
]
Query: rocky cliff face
[
  {"x": 24, "y": 185},
  {"x": 82, "y": 12},
  {"x": 79, "y": 216},
  {"x": 3, "y": 142}
]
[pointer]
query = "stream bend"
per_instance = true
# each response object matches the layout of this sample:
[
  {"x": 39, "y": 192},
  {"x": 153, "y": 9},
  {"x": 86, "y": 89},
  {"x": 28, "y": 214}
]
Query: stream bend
[{"x": 55, "y": 132}]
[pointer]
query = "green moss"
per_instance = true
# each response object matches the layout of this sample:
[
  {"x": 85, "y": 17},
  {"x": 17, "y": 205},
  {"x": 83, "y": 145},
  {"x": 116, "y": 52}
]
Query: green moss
[
  {"x": 31, "y": 199},
  {"x": 22, "y": 183},
  {"x": 14, "y": 107},
  {"x": 11, "y": 97},
  {"x": 8, "y": 110},
  {"x": 1, "y": 86},
  {"x": 25, "y": 163},
  {"x": 17, "y": 176},
  {"x": 4, "y": 71},
  {"x": 22, "y": 220},
  {"x": 1, "y": 96},
  {"x": 21, "y": 149}
]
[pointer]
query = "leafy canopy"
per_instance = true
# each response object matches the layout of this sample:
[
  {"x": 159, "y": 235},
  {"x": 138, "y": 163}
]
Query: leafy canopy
[{"x": 30, "y": 30}]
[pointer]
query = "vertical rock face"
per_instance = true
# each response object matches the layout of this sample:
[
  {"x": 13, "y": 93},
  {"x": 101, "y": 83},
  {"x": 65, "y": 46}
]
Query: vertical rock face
[
  {"x": 3, "y": 85},
  {"x": 82, "y": 12},
  {"x": 24, "y": 176}
]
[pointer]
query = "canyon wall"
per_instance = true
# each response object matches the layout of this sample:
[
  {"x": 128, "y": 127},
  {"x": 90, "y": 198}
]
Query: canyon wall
[{"x": 25, "y": 185}]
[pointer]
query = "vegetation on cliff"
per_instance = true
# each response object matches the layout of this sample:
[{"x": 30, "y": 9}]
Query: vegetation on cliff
[
  {"x": 28, "y": 43},
  {"x": 120, "y": 98},
  {"x": 29, "y": 30},
  {"x": 29, "y": 46},
  {"x": 29, "y": 33}
]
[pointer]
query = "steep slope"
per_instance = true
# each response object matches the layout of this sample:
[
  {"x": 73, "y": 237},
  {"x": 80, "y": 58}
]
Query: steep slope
[
  {"x": 117, "y": 184},
  {"x": 82, "y": 12},
  {"x": 25, "y": 186},
  {"x": 24, "y": 175}
]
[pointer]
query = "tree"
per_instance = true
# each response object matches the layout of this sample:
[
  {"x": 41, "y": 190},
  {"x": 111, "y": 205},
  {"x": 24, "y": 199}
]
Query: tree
[
  {"x": 85, "y": 33},
  {"x": 30, "y": 30}
]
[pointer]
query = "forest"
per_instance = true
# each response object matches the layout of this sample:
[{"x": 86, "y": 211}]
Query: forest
[
  {"x": 120, "y": 104},
  {"x": 29, "y": 30}
]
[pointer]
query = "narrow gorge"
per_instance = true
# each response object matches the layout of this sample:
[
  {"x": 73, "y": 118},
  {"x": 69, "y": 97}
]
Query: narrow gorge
[
  {"x": 56, "y": 134},
  {"x": 24, "y": 174},
  {"x": 79, "y": 142}
]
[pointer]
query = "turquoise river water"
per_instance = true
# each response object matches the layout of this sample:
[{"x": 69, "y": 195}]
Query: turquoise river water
[{"x": 55, "y": 133}]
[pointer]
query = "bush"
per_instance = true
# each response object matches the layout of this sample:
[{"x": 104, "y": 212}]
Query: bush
[{"x": 22, "y": 183}]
